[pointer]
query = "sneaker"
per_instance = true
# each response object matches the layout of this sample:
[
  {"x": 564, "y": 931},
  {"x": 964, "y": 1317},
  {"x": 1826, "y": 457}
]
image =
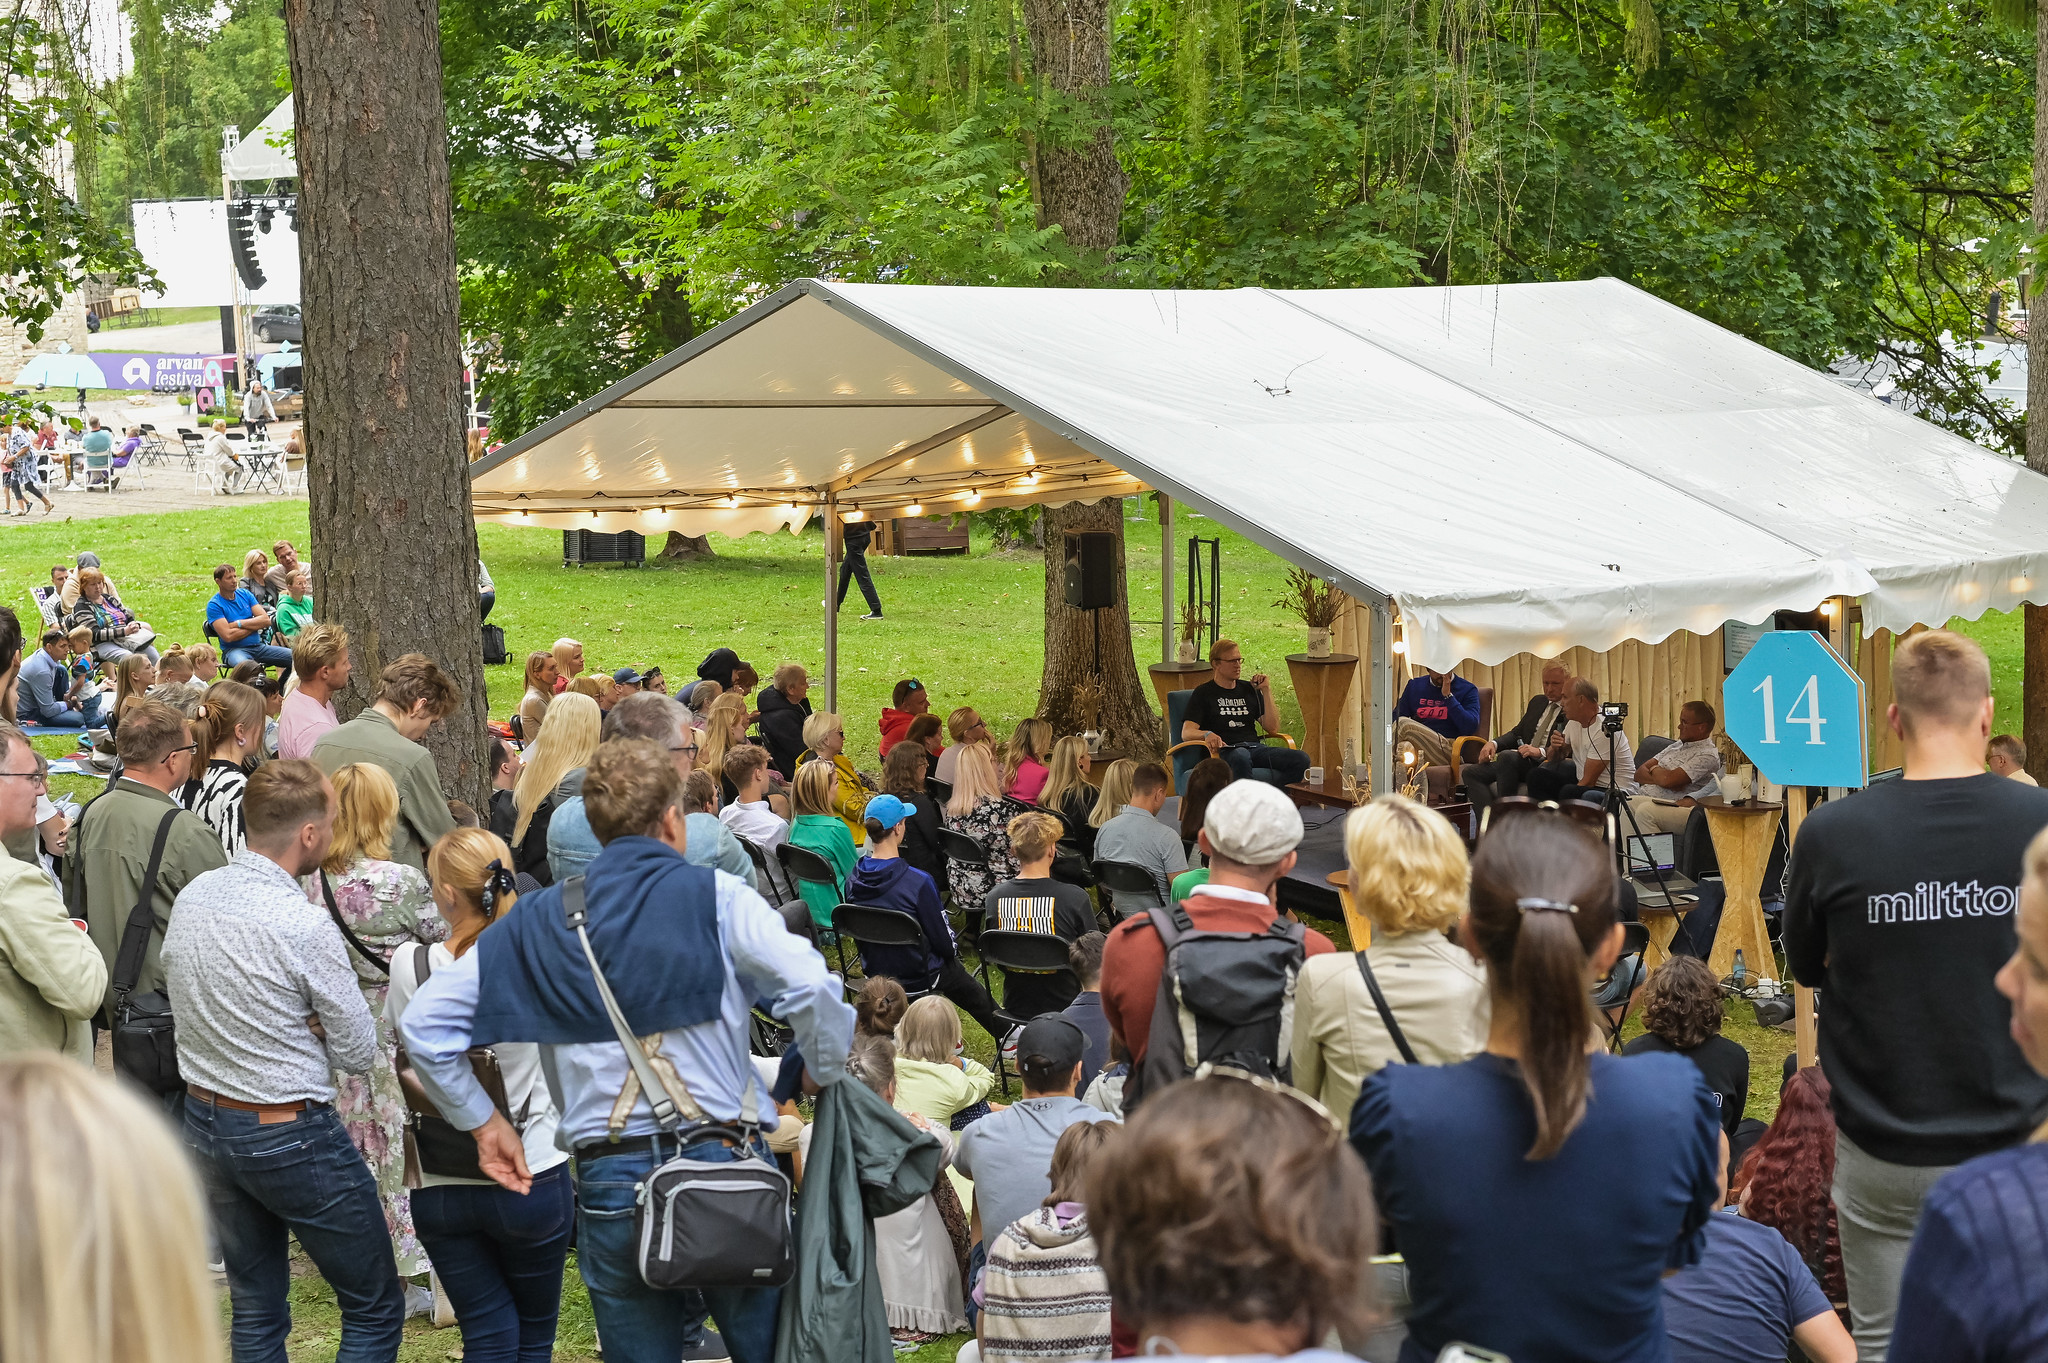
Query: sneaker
[
  {"x": 709, "y": 1349},
  {"x": 418, "y": 1302},
  {"x": 1010, "y": 1044},
  {"x": 876, "y": 616}
]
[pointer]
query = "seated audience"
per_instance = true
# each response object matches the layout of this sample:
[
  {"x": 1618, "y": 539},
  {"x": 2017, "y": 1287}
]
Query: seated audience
[
  {"x": 825, "y": 737},
  {"x": 1231, "y": 715},
  {"x": 204, "y": 662},
  {"x": 568, "y": 663},
  {"x": 1231, "y": 1223},
  {"x": 1435, "y": 708},
  {"x": 1044, "y": 1295},
  {"x": 1579, "y": 757},
  {"x": 1610, "y": 1165},
  {"x": 725, "y": 731},
  {"x": 1034, "y": 902},
  {"x": 964, "y": 725},
  {"x": 1137, "y": 838},
  {"x": 879, "y": 1007},
  {"x": 601, "y": 689},
  {"x": 817, "y": 828},
  {"x": 723, "y": 666},
  {"x": 1068, "y": 794},
  {"x": 906, "y": 703},
  {"x": 1113, "y": 794},
  {"x": 115, "y": 630},
  {"x": 925, "y": 731},
  {"x": 1976, "y": 1280},
  {"x": 256, "y": 579},
  {"x": 785, "y": 705},
  {"x": 933, "y": 1079},
  {"x": 1208, "y": 777},
  {"x": 241, "y": 623},
  {"x": 134, "y": 676},
  {"x": 1786, "y": 1180},
  {"x": 903, "y": 775},
  {"x": 540, "y": 689},
  {"x": 1084, "y": 958},
  {"x": 49, "y": 694},
  {"x": 746, "y": 772},
  {"x": 1749, "y": 1297},
  {"x": 550, "y": 774},
  {"x": 1024, "y": 760},
  {"x": 979, "y": 810},
  {"x": 320, "y": 657},
  {"x": 505, "y": 764},
  {"x": 1680, "y": 774},
  {"x": 883, "y": 879},
  {"x": 295, "y": 604},
  {"x": 2006, "y": 756},
  {"x": 1681, "y": 1012},
  {"x": 1409, "y": 878},
  {"x": 228, "y": 467},
  {"x": 286, "y": 561},
  {"x": 1504, "y": 763}
]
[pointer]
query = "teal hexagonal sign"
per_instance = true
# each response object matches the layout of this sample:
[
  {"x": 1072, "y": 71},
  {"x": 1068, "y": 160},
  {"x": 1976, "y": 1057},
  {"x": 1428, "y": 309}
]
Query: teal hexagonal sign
[{"x": 1796, "y": 710}]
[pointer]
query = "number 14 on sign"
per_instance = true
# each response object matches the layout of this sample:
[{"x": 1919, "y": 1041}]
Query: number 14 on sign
[{"x": 1809, "y": 696}]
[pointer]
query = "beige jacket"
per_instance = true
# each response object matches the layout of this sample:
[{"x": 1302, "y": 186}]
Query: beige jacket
[
  {"x": 1436, "y": 991},
  {"x": 52, "y": 977}
]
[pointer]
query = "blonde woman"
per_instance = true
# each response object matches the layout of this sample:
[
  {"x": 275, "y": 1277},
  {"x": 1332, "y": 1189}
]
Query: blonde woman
[
  {"x": 979, "y": 810},
  {"x": 818, "y": 828},
  {"x": 229, "y": 730},
  {"x": 1115, "y": 792},
  {"x": 725, "y": 728},
  {"x": 553, "y": 772},
  {"x": 1067, "y": 791},
  {"x": 102, "y": 1230},
  {"x": 933, "y": 1078},
  {"x": 205, "y": 663},
  {"x": 133, "y": 676},
  {"x": 1025, "y": 772},
  {"x": 385, "y": 905},
  {"x": 499, "y": 1253},
  {"x": 825, "y": 738},
  {"x": 1411, "y": 879},
  {"x": 965, "y": 725},
  {"x": 599, "y": 688},
  {"x": 540, "y": 691}
]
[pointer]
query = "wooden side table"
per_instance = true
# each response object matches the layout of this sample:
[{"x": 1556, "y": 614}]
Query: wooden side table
[
  {"x": 1743, "y": 836},
  {"x": 1321, "y": 686},
  {"x": 1329, "y": 795},
  {"x": 1171, "y": 677}
]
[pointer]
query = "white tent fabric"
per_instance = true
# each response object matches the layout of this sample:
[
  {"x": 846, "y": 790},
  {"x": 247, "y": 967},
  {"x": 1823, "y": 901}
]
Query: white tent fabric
[
  {"x": 253, "y": 158},
  {"x": 1517, "y": 468}
]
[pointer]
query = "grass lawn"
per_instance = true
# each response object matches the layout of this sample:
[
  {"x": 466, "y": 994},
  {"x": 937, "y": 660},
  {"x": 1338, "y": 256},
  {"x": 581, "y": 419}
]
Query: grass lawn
[
  {"x": 157, "y": 317},
  {"x": 969, "y": 626}
]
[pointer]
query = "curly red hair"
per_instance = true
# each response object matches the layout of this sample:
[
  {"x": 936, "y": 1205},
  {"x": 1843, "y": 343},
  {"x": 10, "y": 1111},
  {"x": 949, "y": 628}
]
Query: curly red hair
[{"x": 1788, "y": 1174}]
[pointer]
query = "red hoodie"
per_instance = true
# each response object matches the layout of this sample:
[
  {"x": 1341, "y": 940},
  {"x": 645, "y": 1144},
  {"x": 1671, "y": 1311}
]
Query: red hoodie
[{"x": 893, "y": 724}]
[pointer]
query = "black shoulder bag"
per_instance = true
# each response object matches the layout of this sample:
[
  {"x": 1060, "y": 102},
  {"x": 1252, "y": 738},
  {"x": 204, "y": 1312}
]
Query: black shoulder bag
[
  {"x": 434, "y": 1145},
  {"x": 1379, "y": 1001},
  {"x": 378, "y": 963},
  {"x": 145, "y": 1037}
]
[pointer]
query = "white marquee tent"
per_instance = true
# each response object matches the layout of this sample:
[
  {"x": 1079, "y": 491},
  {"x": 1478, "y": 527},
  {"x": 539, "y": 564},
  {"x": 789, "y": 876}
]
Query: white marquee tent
[{"x": 1509, "y": 469}]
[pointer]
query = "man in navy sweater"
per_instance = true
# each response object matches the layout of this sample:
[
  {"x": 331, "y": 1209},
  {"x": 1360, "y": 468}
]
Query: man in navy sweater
[{"x": 1435, "y": 708}]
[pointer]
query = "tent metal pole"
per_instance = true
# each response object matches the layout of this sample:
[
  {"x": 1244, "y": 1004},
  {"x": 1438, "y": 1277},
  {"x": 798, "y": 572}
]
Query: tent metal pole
[
  {"x": 1166, "y": 567},
  {"x": 1379, "y": 710},
  {"x": 831, "y": 602}
]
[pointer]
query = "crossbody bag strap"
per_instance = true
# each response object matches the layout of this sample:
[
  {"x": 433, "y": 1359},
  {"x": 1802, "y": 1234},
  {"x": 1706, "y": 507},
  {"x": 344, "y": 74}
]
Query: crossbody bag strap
[
  {"x": 666, "y": 1114},
  {"x": 135, "y": 937},
  {"x": 1379, "y": 1001},
  {"x": 381, "y": 964}
]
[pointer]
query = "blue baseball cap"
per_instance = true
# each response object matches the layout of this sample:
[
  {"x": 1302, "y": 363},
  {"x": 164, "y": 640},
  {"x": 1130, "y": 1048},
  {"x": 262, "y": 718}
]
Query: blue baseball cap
[{"x": 886, "y": 810}]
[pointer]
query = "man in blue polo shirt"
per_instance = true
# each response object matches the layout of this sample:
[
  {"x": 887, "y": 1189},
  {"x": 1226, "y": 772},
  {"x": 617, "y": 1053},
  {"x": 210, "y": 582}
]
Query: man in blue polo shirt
[{"x": 234, "y": 617}]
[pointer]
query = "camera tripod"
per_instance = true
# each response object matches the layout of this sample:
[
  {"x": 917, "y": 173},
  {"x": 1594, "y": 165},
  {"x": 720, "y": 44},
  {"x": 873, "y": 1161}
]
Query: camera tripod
[{"x": 1619, "y": 809}]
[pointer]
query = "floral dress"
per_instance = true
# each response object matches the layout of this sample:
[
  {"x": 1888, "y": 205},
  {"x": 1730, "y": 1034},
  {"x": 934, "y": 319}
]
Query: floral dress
[
  {"x": 988, "y": 823},
  {"x": 386, "y": 905}
]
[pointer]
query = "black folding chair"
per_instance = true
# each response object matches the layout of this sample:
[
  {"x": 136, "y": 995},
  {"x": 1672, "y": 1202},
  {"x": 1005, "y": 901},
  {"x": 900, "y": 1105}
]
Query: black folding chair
[
  {"x": 869, "y": 926},
  {"x": 773, "y": 889},
  {"x": 1129, "y": 878},
  {"x": 942, "y": 791},
  {"x": 804, "y": 867},
  {"x": 1635, "y": 940},
  {"x": 1021, "y": 953},
  {"x": 960, "y": 849}
]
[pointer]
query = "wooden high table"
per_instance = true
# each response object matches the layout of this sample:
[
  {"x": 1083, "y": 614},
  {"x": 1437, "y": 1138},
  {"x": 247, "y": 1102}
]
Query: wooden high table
[
  {"x": 1321, "y": 685},
  {"x": 1743, "y": 836}
]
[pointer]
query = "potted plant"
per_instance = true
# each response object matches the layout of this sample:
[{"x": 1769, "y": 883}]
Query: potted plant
[
  {"x": 1191, "y": 622},
  {"x": 1314, "y": 601}
]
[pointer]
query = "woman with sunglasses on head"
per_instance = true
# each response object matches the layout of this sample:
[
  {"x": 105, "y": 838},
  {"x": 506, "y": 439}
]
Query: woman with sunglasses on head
[
  {"x": 497, "y": 1254},
  {"x": 1541, "y": 1190}
]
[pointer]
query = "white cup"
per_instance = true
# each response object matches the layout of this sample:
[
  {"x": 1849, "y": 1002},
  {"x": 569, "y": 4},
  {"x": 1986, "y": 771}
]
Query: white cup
[{"x": 1315, "y": 776}]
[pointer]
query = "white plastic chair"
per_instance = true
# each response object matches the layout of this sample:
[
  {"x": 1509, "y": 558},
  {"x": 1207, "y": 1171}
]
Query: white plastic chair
[{"x": 103, "y": 466}]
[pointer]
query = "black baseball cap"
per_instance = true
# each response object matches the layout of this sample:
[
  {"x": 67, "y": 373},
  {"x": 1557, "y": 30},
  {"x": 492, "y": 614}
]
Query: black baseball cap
[{"x": 1048, "y": 1049}]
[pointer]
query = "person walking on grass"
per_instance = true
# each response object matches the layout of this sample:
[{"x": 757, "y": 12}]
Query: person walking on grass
[{"x": 854, "y": 538}]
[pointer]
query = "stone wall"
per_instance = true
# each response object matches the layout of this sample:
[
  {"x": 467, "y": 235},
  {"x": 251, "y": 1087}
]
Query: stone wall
[{"x": 67, "y": 324}]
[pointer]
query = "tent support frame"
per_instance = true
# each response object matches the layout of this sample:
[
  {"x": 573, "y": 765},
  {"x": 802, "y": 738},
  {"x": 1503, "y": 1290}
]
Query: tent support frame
[
  {"x": 1379, "y": 709},
  {"x": 831, "y": 526},
  {"x": 1166, "y": 567}
]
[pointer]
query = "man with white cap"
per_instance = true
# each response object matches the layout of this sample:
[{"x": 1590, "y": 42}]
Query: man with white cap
[{"x": 1249, "y": 836}]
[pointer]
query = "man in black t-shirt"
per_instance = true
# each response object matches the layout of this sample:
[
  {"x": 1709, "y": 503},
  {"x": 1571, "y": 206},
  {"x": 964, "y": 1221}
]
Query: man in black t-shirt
[
  {"x": 1230, "y": 715},
  {"x": 1900, "y": 906}
]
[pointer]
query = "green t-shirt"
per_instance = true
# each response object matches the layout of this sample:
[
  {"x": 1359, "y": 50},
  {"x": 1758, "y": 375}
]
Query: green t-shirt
[
  {"x": 294, "y": 613},
  {"x": 1184, "y": 883}
]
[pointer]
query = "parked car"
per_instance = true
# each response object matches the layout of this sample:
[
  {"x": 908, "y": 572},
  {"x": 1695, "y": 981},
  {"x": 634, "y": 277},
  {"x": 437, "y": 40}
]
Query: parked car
[{"x": 278, "y": 322}]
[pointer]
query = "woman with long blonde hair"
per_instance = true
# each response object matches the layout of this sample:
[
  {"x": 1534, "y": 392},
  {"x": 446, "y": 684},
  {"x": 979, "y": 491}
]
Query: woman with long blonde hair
[
  {"x": 133, "y": 676},
  {"x": 385, "y": 904},
  {"x": 1024, "y": 760},
  {"x": 1115, "y": 793},
  {"x": 979, "y": 810},
  {"x": 229, "y": 731},
  {"x": 725, "y": 728},
  {"x": 818, "y": 828},
  {"x": 499, "y": 1253},
  {"x": 553, "y": 773},
  {"x": 102, "y": 1227}
]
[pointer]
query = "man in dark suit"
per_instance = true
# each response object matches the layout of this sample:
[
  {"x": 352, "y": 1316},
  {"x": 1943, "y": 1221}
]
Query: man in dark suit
[{"x": 1507, "y": 761}]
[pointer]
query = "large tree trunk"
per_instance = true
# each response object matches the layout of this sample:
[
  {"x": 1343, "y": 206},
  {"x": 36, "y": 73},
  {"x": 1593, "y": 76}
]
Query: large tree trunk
[
  {"x": 688, "y": 548},
  {"x": 1081, "y": 183},
  {"x": 1124, "y": 709},
  {"x": 2034, "y": 692},
  {"x": 394, "y": 547}
]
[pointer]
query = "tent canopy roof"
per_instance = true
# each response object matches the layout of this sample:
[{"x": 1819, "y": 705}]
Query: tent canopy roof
[
  {"x": 253, "y": 158},
  {"x": 1520, "y": 467}
]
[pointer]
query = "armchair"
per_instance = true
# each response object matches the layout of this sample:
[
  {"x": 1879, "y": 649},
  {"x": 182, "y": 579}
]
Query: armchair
[
  {"x": 1441, "y": 782},
  {"x": 1183, "y": 754}
]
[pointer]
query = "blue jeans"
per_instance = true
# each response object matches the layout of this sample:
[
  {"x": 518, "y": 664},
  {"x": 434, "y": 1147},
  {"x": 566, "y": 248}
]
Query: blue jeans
[
  {"x": 87, "y": 718},
  {"x": 637, "y": 1323},
  {"x": 486, "y": 600},
  {"x": 305, "y": 1178},
  {"x": 1265, "y": 762},
  {"x": 270, "y": 655},
  {"x": 499, "y": 1256}
]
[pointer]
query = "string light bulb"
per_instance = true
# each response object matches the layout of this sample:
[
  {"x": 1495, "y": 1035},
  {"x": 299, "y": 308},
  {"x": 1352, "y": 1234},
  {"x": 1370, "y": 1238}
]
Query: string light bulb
[
  {"x": 914, "y": 509},
  {"x": 973, "y": 498},
  {"x": 854, "y": 515},
  {"x": 1827, "y": 607}
]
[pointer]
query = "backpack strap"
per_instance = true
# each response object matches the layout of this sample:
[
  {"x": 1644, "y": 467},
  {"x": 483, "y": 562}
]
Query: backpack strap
[
  {"x": 1379, "y": 1001},
  {"x": 135, "y": 937}
]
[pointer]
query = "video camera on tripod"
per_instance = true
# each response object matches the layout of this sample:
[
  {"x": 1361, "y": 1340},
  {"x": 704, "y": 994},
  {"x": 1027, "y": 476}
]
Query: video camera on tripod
[{"x": 1612, "y": 713}]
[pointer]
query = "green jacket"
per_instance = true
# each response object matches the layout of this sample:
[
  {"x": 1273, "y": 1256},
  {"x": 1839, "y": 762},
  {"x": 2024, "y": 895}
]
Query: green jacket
[
  {"x": 422, "y": 808},
  {"x": 52, "y": 979},
  {"x": 826, "y": 835},
  {"x": 110, "y": 852},
  {"x": 866, "y": 1161}
]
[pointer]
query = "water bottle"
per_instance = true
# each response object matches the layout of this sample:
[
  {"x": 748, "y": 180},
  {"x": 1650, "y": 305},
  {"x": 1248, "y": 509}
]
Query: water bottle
[{"x": 1740, "y": 977}]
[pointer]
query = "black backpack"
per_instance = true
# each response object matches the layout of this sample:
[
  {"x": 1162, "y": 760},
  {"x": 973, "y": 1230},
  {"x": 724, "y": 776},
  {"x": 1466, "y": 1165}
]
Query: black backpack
[
  {"x": 1225, "y": 998},
  {"x": 494, "y": 644}
]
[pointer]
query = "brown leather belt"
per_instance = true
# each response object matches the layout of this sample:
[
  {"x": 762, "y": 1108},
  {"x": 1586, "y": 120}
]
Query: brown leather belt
[{"x": 265, "y": 1112}]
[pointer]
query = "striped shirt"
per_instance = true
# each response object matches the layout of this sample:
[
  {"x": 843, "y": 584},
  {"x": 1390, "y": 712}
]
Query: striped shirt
[{"x": 216, "y": 797}]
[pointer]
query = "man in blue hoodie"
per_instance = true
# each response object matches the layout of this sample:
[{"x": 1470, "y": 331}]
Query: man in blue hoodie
[
  {"x": 1434, "y": 709},
  {"x": 882, "y": 879}
]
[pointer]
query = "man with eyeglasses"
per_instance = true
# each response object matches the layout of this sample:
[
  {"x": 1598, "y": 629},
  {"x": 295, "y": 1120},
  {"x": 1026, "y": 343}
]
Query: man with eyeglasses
[
  {"x": 1229, "y": 715},
  {"x": 111, "y": 844},
  {"x": 660, "y": 720},
  {"x": 52, "y": 978}
]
